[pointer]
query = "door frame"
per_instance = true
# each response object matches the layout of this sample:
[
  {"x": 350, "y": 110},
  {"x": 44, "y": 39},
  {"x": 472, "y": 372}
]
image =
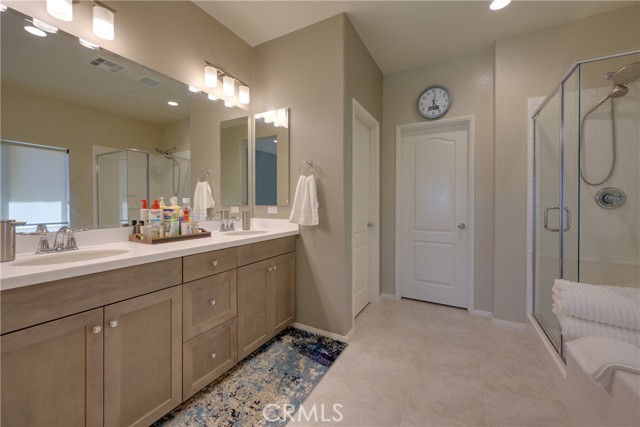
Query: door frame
[
  {"x": 468, "y": 122},
  {"x": 360, "y": 113}
]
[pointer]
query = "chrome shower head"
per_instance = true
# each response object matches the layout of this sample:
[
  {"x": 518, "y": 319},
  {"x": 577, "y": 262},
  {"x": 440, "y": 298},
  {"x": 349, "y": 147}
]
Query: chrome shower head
[
  {"x": 618, "y": 91},
  {"x": 627, "y": 74}
]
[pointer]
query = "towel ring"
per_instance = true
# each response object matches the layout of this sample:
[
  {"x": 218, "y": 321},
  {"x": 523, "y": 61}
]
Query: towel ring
[
  {"x": 203, "y": 175},
  {"x": 307, "y": 168}
]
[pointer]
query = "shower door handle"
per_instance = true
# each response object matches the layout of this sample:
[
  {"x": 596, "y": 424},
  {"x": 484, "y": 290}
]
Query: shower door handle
[{"x": 567, "y": 226}]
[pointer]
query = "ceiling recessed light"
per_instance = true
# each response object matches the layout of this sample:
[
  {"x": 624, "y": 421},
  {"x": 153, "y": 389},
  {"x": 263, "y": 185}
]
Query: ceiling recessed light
[
  {"x": 44, "y": 26},
  {"x": 88, "y": 44},
  {"x": 173, "y": 103},
  {"x": 499, "y": 4},
  {"x": 35, "y": 31},
  {"x": 194, "y": 89}
]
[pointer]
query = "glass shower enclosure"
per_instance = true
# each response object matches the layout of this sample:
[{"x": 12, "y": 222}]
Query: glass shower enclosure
[
  {"x": 125, "y": 177},
  {"x": 585, "y": 189}
]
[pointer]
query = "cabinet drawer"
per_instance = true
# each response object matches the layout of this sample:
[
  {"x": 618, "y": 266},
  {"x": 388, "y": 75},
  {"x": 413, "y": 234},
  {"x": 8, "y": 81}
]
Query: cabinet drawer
[
  {"x": 208, "y": 302},
  {"x": 208, "y": 263},
  {"x": 248, "y": 254},
  {"x": 208, "y": 356}
]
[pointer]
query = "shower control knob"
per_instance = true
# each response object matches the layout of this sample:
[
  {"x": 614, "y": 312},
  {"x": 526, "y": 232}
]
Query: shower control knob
[{"x": 462, "y": 226}]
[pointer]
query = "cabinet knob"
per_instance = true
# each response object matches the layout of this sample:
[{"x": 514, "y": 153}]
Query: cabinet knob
[
  {"x": 96, "y": 329},
  {"x": 214, "y": 262},
  {"x": 113, "y": 324},
  {"x": 213, "y": 355},
  {"x": 212, "y": 302},
  {"x": 275, "y": 267}
]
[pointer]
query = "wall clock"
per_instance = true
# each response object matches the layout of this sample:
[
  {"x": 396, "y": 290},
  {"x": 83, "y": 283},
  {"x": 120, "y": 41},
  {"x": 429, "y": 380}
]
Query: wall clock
[{"x": 434, "y": 102}]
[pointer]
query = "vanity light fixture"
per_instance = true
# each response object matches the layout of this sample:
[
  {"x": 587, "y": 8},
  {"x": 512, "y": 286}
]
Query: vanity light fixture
[
  {"x": 212, "y": 97},
  {"x": 243, "y": 94},
  {"x": 194, "y": 89},
  {"x": 88, "y": 44},
  {"x": 35, "y": 31},
  {"x": 103, "y": 21},
  {"x": 61, "y": 9},
  {"x": 2, "y": 7},
  {"x": 228, "y": 104},
  {"x": 210, "y": 75},
  {"x": 228, "y": 86},
  {"x": 44, "y": 26},
  {"x": 499, "y": 4}
]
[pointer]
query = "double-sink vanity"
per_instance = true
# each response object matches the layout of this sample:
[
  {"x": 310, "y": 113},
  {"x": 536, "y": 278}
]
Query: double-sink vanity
[{"x": 119, "y": 334}]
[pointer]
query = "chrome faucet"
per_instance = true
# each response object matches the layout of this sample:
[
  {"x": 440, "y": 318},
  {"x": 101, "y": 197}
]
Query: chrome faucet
[
  {"x": 226, "y": 223},
  {"x": 59, "y": 243}
]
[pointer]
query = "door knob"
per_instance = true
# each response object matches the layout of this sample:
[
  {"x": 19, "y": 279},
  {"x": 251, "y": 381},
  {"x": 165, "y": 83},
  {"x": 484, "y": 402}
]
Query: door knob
[
  {"x": 370, "y": 225},
  {"x": 462, "y": 226}
]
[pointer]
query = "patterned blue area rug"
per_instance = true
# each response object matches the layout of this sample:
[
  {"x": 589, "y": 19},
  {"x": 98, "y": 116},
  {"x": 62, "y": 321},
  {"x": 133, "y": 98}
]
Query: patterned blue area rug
[{"x": 282, "y": 372}]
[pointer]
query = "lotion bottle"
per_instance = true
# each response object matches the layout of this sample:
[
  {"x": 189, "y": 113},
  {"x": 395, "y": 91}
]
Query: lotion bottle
[{"x": 144, "y": 212}]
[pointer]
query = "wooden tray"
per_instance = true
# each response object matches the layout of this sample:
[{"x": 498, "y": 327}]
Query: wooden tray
[{"x": 139, "y": 238}]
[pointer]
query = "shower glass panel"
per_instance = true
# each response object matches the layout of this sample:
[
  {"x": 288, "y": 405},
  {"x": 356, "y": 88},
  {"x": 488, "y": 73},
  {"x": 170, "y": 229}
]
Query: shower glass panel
[
  {"x": 586, "y": 182},
  {"x": 126, "y": 177}
]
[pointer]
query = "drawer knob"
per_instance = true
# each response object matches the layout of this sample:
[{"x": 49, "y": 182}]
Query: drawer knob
[
  {"x": 214, "y": 262},
  {"x": 212, "y": 302},
  {"x": 96, "y": 329},
  {"x": 113, "y": 324},
  {"x": 213, "y": 355}
]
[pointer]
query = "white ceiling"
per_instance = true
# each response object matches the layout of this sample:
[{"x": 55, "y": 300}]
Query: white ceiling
[{"x": 405, "y": 34}]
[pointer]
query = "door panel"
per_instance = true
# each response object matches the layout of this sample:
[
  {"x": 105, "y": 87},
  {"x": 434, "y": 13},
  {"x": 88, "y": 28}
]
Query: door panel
[{"x": 434, "y": 216}]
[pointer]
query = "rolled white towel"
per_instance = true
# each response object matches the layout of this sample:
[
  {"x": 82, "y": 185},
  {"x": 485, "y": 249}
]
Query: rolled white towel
[
  {"x": 613, "y": 305},
  {"x": 573, "y": 328},
  {"x": 600, "y": 357}
]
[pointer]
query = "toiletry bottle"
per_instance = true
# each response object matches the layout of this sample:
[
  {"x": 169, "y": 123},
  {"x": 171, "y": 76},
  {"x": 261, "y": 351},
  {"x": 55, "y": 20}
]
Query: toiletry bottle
[
  {"x": 186, "y": 227},
  {"x": 174, "y": 226},
  {"x": 144, "y": 212},
  {"x": 155, "y": 220},
  {"x": 161, "y": 202}
]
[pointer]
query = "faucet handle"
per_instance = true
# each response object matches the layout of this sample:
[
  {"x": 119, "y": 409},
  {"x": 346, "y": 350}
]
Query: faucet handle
[
  {"x": 43, "y": 244},
  {"x": 42, "y": 229},
  {"x": 71, "y": 240}
]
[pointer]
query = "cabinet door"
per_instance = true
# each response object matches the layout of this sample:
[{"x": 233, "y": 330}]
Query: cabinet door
[
  {"x": 281, "y": 284},
  {"x": 253, "y": 300},
  {"x": 143, "y": 358},
  {"x": 52, "y": 373}
]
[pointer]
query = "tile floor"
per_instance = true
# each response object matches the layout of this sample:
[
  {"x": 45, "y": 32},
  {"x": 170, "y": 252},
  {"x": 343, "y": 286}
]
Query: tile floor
[{"x": 418, "y": 364}]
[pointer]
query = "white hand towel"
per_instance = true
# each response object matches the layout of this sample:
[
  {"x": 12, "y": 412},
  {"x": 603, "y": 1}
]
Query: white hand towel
[
  {"x": 600, "y": 357},
  {"x": 202, "y": 199},
  {"x": 305, "y": 203},
  {"x": 613, "y": 305}
]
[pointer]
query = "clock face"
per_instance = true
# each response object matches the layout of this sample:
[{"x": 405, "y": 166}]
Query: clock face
[{"x": 434, "y": 102}]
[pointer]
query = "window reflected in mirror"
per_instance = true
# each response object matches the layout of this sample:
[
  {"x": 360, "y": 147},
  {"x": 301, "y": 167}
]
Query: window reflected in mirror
[{"x": 272, "y": 158}]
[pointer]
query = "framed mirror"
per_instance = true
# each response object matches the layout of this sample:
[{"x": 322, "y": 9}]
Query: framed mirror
[
  {"x": 271, "y": 158},
  {"x": 152, "y": 134}
]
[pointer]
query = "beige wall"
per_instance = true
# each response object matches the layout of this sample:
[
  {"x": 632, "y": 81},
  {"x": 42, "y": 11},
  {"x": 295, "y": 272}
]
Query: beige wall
[
  {"x": 527, "y": 66},
  {"x": 314, "y": 72},
  {"x": 233, "y": 148},
  {"x": 37, "y": 119},
  {"x": 470, "y": 79}
]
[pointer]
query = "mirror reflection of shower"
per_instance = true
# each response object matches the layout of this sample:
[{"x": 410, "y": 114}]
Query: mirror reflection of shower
[
  {"x": 169, "y": 155},
  {"x": 621, "y": 79}
]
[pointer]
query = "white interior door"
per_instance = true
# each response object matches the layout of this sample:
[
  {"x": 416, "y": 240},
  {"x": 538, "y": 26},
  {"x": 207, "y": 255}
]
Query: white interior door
[
  {"x": 364, "y": 209},
  {"x": 434, "y": 215}
]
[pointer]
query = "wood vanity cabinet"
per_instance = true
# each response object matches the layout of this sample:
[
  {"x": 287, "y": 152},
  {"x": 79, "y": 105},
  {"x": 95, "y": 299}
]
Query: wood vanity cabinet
[
  {"x": 266, "y": 293},
  {"x": 52, "y": 373}
]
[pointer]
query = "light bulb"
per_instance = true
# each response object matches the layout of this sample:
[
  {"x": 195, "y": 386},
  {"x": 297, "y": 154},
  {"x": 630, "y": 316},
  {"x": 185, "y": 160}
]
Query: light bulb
[
  {"x": 228, "y": 86},
  {"x": 210, "y": 76},
  {"x": 103, "y": 22},
  {"x": 243, "y": 94},
  {"x": 61, "y": 9}
]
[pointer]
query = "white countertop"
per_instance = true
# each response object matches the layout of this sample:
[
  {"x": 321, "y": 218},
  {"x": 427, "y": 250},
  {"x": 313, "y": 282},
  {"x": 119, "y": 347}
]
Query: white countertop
[{"x": 15, "y": 276}]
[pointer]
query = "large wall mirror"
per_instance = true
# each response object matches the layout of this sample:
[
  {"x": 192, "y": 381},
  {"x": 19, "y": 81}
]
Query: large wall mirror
[
  {"x": 271, "y": 158},
  {"x": 131, "y": 133}
]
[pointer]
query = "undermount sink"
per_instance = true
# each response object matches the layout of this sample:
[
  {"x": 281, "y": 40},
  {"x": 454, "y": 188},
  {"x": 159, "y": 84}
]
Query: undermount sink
[
  {"x": 71, "y": 256},
  {"x": 244, "y": 232}
]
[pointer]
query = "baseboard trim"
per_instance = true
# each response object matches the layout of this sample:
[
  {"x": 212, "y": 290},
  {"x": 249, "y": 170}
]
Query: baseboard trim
[
  {"x": 388, "y": 296},
  {"x": 480, "y": 313},
  {"x": 323, "y": 333},
  {"x": 508, "y": 324}
]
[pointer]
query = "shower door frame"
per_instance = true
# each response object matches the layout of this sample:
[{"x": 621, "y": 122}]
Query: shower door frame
[{"x": 533, "y": 208}]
